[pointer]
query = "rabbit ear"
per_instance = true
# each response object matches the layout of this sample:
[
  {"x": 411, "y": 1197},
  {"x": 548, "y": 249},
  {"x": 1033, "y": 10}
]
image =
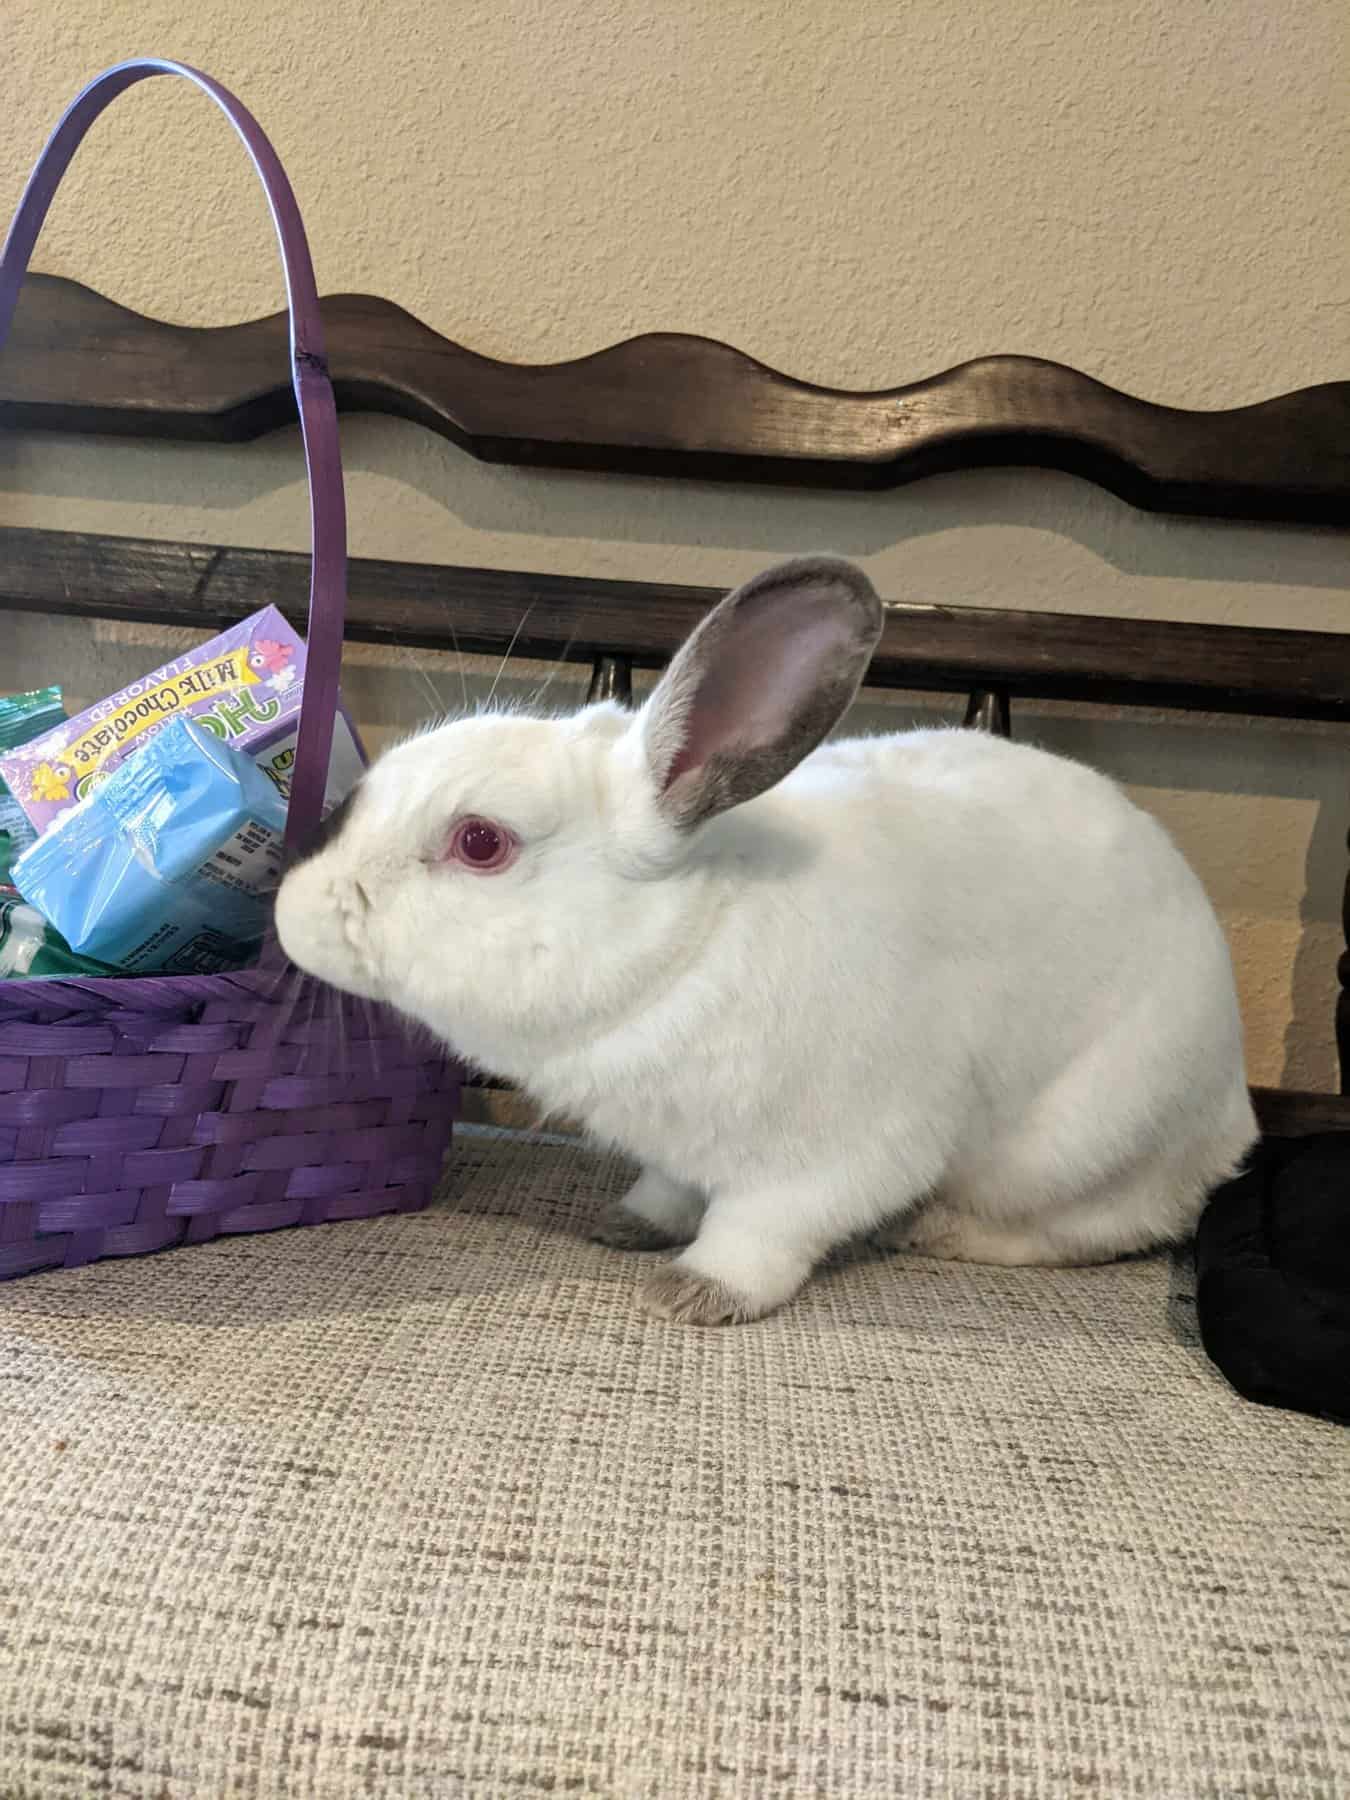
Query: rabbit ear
[{"x": 758, "y": 685}]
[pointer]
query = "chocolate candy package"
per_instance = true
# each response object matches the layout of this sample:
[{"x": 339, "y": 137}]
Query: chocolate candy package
[
  {"x": 243, "y": 687},
  {"x": 169, "y": 865}
]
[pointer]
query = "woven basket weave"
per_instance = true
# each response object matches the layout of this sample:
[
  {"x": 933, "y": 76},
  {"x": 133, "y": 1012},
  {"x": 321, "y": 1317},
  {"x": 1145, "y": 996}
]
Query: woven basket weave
[{"x": 142, "y": 1112}]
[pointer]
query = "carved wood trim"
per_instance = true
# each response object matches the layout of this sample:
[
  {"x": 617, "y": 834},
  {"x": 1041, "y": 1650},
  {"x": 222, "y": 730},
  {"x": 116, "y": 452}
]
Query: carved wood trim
[{"x": 667, "y": 404}]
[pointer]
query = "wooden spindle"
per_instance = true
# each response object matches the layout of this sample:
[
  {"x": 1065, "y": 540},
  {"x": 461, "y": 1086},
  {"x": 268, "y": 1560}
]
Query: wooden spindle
[
  {"x": 988, "y": 710},
  {"x": 611, "y": 679}
]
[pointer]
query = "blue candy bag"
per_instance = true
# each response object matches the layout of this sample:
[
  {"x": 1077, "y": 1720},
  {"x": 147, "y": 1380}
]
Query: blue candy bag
[{"x": 169, "y": 866}]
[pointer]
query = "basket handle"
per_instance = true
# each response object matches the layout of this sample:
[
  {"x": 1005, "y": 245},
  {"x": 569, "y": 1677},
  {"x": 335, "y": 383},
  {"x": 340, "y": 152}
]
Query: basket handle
[{"x": 309, "y": 374}]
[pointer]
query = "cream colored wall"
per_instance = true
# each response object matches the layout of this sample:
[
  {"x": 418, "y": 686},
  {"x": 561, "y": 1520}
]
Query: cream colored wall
[{"x": 856, "y": 192}]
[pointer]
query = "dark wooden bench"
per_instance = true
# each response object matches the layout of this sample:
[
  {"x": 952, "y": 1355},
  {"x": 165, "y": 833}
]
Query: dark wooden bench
[{"x": 686, "y": 407}]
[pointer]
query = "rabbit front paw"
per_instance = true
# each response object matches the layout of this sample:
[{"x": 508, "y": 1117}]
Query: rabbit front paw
[
  {"x": 625, "y": 1230},
  {"x": 686, "y": 1298},
  {"x": 655, "y": 1214},
  {"x": 753, "y": 1252}
]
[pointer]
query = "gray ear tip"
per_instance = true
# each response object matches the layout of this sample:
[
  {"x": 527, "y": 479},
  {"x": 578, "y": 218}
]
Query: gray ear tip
[{"x": 823, "y": 571}]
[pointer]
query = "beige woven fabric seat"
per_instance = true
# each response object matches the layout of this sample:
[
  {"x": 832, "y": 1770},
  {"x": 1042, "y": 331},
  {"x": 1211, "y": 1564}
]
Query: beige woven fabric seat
[{"x": 424, "y": 1506}]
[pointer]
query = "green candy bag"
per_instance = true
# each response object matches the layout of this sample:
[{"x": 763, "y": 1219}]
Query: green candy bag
[{"x": 23, "y": 717}]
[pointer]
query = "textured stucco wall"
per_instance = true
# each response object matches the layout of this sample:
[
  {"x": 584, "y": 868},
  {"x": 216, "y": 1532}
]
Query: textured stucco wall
[{"x": 857, "y": 193}]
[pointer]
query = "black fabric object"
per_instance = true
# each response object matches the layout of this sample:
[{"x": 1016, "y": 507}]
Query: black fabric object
[{"x": 1272, "y": 1261}]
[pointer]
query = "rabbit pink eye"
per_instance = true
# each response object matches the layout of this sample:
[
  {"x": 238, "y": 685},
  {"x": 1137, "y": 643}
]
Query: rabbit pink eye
[{"x": 480, "y": 844}]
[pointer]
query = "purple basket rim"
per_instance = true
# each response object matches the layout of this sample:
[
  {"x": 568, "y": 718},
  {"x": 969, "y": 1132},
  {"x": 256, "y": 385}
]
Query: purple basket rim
[{"x": 148, "y": 993}]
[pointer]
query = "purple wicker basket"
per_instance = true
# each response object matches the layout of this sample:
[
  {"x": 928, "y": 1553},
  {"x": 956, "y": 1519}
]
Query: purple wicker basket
[{"x": 150, "y": 1111}]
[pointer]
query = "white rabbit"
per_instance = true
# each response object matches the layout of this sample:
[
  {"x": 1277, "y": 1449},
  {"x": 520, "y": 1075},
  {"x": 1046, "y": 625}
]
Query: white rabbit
[{"x": 936, "y": 981}]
